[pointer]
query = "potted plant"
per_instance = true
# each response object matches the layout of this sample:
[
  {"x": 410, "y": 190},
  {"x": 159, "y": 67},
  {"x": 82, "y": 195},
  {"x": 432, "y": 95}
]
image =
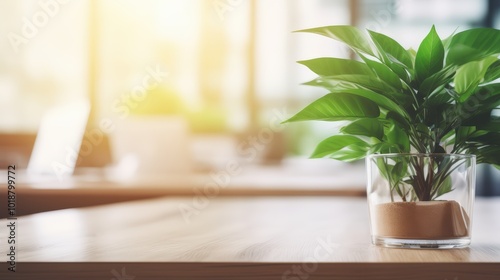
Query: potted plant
[
  {"x": 422, "y": 119},
  {"x": 152, "y": 137}
]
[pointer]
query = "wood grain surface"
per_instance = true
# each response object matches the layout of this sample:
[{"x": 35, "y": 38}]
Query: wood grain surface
[{"x": 237, "y": 238}]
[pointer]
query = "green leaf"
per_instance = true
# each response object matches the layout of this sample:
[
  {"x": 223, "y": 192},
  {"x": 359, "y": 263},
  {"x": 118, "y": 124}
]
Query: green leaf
[
  {"x": 469, "y": 76},
  {"x": 423, "y": 135},
  {"x": 349, "y": 35},
  {"x": 484, "y": 137},
  {"x": 365, "y": 127},
  {"x": 329, "y": 84},
  {"x": 473, "y": 44},
  {"x": 380, "y": 100},
  {"x": 463, "y": 133},
  {"x": 400, "y": 169},
  {"x": 437, "y": 99},
  {"x": 342, "y": 147},
  {"x": 382, "y": 165},
  {"x": 338, "y": 106},
  {"x": 493, "y": 124},
  {"x": 383, "y": 72},
  {"x": 330, "y": 66},
  {"x": 392, "y": 49},
  {"x": 393, "y": 172},
  {"x": 477, "y": 120},
  {"x": 493, "y": 72},
  {"x": 342, "y": 82},
  {"x": 398, "y": 119},
  {"x": 430, "y": 56},
  {"x": 384, "y": 148},
  {"x": 402, "y": 72},
  {"x": 485, "y": 99},
  {"x": 396, "y": 135},
  {"x": 442, "y": 77},
  {"x": 487, "y": 154}
]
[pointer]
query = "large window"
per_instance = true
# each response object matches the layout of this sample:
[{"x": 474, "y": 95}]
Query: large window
[
  {"x": 43, "y": 59},
  {"x": 226, "y": 66}
]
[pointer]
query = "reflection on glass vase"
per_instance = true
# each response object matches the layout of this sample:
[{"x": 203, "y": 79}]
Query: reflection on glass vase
[{"x": 421, "y": 200}]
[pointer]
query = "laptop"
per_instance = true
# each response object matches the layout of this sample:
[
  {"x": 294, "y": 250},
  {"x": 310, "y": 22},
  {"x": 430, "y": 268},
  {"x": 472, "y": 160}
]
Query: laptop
[{"x": 58, "y": 141}]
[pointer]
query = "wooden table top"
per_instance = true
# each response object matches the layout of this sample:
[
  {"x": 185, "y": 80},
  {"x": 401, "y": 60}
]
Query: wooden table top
[{"x": 237, "y": 238}]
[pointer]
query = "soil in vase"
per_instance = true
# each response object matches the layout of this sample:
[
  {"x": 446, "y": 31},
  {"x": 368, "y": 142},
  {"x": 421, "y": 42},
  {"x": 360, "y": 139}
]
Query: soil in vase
[{"x": 427, "y": 220}]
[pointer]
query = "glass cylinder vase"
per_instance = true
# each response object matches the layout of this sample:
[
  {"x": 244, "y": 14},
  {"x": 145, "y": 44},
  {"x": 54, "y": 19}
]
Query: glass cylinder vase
[{"x": 421, "y": 200}]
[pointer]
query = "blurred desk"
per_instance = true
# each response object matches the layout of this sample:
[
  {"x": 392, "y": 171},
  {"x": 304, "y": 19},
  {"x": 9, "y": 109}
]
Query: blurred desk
[
  {"x": 95, "y": 187},
  {"x": 237, "y": 238}
]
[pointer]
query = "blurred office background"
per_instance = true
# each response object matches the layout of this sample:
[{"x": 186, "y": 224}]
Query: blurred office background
[{"x": 190, "y": 85}]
